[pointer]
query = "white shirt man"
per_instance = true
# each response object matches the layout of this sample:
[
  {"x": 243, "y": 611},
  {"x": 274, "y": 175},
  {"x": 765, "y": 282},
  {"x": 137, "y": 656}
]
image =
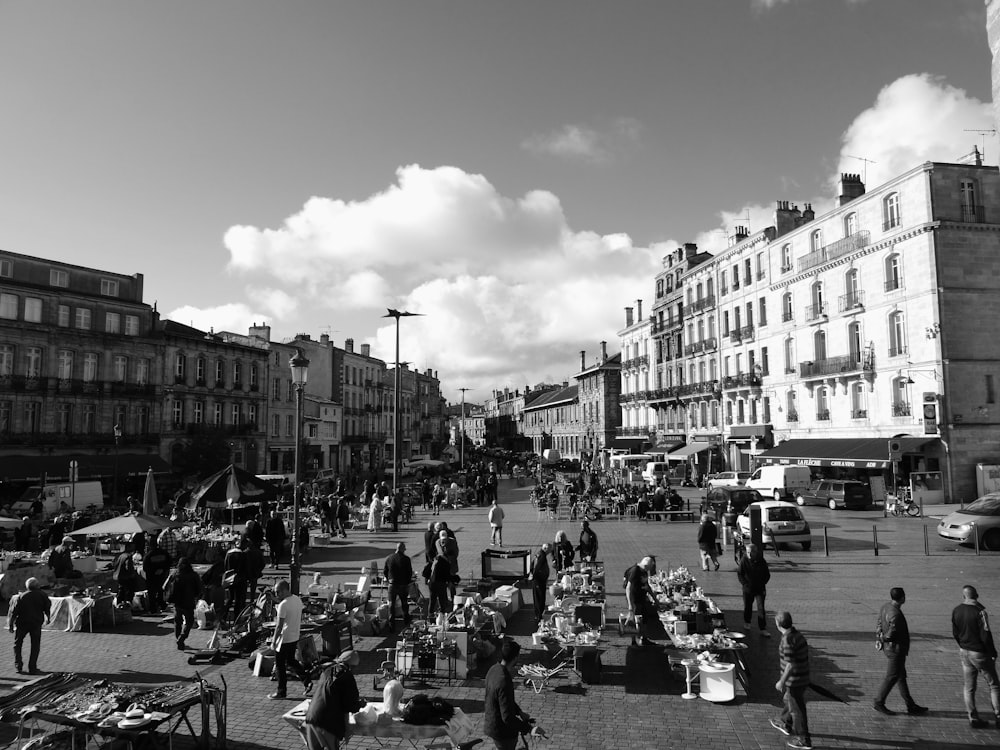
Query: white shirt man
[{"x": 285, "y": 640}]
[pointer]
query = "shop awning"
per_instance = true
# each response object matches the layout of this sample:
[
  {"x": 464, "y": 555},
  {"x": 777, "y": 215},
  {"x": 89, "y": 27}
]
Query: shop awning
[
  {"x": 850, "y": 453},
  {"x": 56, "y": 468},
  {"x": 688, "y": 450}
]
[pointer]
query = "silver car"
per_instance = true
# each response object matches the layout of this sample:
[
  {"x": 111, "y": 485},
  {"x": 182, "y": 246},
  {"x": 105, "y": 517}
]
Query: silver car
[{"x": 983, "y": 515}]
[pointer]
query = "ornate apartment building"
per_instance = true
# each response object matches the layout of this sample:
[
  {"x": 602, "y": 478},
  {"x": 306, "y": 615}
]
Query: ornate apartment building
[{"x": 598, "y": 393}]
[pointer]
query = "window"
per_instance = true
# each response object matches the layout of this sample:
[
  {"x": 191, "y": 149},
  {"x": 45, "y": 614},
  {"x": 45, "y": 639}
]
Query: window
[
  {"x": 64, "y": 368},
  {"x": 8, "y": 306},
  {"x": 968, "y": 194},
  {"x": 112, "y": 322},
  {"x": 180, "y": 367},
  {"x": 747, "y": 272},
  {"x": 289, "y": 425},
  {"x": 6, "y": 269},
  {"x": 762, "y": 311},
  {"x": 199, "y": 370},
  {"x": 897, "y": 334},
  {"x": 33, "y": 362},
  {"x": 275, "y": 425},
  {"x": 789, "y": 350},
  {"x": 63, "y": 316},
  {"x": 891, "y": 217},
  {"x": 220, "y": 372},
  {"x": 58, "y": 278},
  {"x": 725, "y": 367},
  {"x": 276, "y": 390},
  {"x": 725, "y": 322},
  {"x": 33, "y": 309},
  {"x": 822, "y": 404},
  {"x": 723, "y": 286},
  {"x": 199, "y": 412},
  {"x": 252, "y": 414},
  {"x": 750, "y": 314},
  {"x": 850, "y": 224},
  {"x": 786, "y": 307},
  {"x": 736, "y": 276},
  {"x": 253, "y": 377},
  {"x": 109, "y": 287},
  {"x": 760, "y": 266},
  {"x": 237, "y": 374},
  {"x": 819, "y": 346},
  {"x": 142, "y": 420},
  {"x": 90, "y": 363},
  {"x": 131, "y": 325},
  {"x": 236, "y": 416},
  {"x": 177, "y": 413},
  {"x": 32, "y": 416},
  {"x": 83, "y": 318},
  {"x": 900, "y": 397},
  {"x": 89, "y": 419},
  {"x": 64, "y": 416},
  {"x": 6, "y": 359},
  {"x": 786, "y": 258},
  {"x": 142, "y": 371},
  {"x": 816, "y": 240},
  {"x": 858, "y": 410},
  {"x": 854, "y": 343},
  {"x": 790, "y": 407},
  {"x": 893, "y": 273},
  {"x": 764, "y": 365},
  {"x": 217, "y": 417},
  {"x": 120, "y": 363},
  {"x": 991, "y": 393}
]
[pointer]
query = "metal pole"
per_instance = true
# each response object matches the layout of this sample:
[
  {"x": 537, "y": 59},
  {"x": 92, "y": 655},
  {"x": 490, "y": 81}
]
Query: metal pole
[
  {"x": 293, "y": 571},
  {"x": 875, "y": 538},
  {"x": 395, "y": 418},
  {"x": 115, "y": 493},
  {"x": 462, "y": 429},
  {"x": 826, "y": 543},
  {"x": 927, "y": 544},
  {"x": 975, "y": 536}
]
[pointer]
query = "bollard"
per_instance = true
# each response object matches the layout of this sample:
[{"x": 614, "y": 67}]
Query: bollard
[
  {"x": 826, "y": 543},
  {"x": 975, "y": 536},
  {"x": 927, "y": 544},
  {"x": 875, "y": 538}
]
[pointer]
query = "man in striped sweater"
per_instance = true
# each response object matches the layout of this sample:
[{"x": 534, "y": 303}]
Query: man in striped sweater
[{"x": 793, "y": 651}]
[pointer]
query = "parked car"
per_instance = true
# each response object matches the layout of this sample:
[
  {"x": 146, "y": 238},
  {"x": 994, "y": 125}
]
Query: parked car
[
  {"x": 779, "y": 481},
  {"x": 721, "y": 500},
  {"x": 984, "y": 513},
  {"x": 782, "y": 523},
  {"x": 727, "y": 479},
  {"x": 836, "y": 493}
]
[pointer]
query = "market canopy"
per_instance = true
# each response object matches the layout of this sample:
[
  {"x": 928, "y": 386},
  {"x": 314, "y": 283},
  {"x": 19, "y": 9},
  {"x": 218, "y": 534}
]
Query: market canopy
[
  {"x": 129, "y": 523},
  {"x": 218, "y": 489},
  {"x": 849, "y": 453},
  {"x": 688, "y": 450}
]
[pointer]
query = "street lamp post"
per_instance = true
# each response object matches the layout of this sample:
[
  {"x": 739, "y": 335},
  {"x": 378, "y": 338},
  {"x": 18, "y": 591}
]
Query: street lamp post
[
  {"x": 300, "y": 373},
  {"x": 462, "y": 430},
  {"x": 396, "y": 314},
  {"x": 118, "y": 436}
]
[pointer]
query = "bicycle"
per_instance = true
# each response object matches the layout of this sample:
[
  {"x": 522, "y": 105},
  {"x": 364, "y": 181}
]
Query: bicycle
[{"x": 902, "y": 505}]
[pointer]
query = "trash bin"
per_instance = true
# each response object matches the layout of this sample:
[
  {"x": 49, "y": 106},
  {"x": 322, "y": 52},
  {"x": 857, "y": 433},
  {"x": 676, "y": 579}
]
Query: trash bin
[{"x": 716, "y": 682}]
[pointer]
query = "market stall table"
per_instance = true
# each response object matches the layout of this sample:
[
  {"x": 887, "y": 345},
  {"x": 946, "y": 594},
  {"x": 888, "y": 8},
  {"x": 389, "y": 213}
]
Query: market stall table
[
  {"x": 384, "y": 729},
  {"x": 69, "y": 613}
]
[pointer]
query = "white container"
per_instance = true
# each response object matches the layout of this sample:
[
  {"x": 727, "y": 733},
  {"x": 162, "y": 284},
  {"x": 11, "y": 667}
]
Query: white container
[
  {"x": 717, "y": 682},
  {"x": 681, "y": 627}
]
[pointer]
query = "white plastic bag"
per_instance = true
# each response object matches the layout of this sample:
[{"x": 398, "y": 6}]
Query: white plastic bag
[{"x": 201, "y": 610}]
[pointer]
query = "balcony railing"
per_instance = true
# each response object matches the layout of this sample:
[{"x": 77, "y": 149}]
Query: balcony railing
[
  {"x": 736, "y": 284},
  {"x": 891, "y": 223},
  {"x": 734, "y": 336},
  {"x": 836, "y": 365},
  {"x": 823, "y": 416},
  {"x": 893, "y": 284},
  {"x": 743, "y": 380},
  {"x": 787, "y": 316},
  {"x": 897, "y": 351},
  {"x": 746, "y": 333},
  {"x": 851, "y": 300},
  {"x": 704, "y": 303},
  {"x": 859, "y": 414},
  {"x": 688, "y": 389},
  {"x": 815, "y": 312},
  {"x": 834, "y": 250},
  {"x": 786, "y": 268},
  {"x": 973, "y": 214},
  {"x": 632, "y": 431},
  {"x": 900, "y": 409},
  {"x": 760, "y": 276},
  {"x": 792, "y": 417},
  {"x": 723, "y": 291},
  {"x": 710, "y": 344}
]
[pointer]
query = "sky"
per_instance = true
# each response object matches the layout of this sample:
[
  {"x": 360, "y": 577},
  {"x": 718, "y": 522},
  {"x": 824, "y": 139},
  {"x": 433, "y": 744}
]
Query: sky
[{"x": 514, "y": 171}]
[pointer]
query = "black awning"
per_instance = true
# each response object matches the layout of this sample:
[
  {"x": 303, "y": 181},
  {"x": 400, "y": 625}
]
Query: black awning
[
  {"x": 56, "y": 468},
  {"x": 851, "y": 453}
]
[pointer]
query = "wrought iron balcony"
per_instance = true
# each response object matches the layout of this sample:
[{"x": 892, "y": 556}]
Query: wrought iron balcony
[
  {"x": 851, "y": 301},
  {"x": 834, "y": 366},
  {"x": 792, "y": 417},
  {"x": 891, "y": 223},
  {"x": 900, "y": 409},
  {"x": 746, "y": 333},
  {"x": 815, "y": 312},
  {"x": 787, "y": 316},
  {"x": 689, "y": 389},
  {"x": 898, "y": 351},
  {"x": 973, "y": 214},
  {"x": 859, "y": 414},
  {"x": 743, "y": 380},
  {"x": 823, "y": 416},
  {"x": 891, "y": 285},
  {"x": 834, "y": 250},
  {"x": 704, "y": 303},
  {"x": 710, "y": 344},
  {"x": 786, "y": 268}
]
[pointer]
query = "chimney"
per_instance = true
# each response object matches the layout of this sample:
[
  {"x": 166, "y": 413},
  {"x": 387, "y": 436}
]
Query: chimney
[
  {"x": 604, "y": 351},
  {"x": 808, "y": 214},
  {"x": 638, "y": 315},
  {"x": 565, "y": 384},
  {"x": 851, "y": 187},
  {"x": 741, "y": 234},
  {"x": 784, "y": 219},
  {"x": 324, "y": 339},
  {"x": 628, "y": 316},
  {"x": 583, "y": 360},
  {"x": 366, "y": 350},
  {"x": 349, "y": 345},
  {"x": 527, "y": 389},
  {"x": 690, "y": 250},
  {"x": 261, "y": 331}
]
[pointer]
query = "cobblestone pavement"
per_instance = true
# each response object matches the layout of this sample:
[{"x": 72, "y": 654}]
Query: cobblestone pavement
[{"x": 637, "y": 705}]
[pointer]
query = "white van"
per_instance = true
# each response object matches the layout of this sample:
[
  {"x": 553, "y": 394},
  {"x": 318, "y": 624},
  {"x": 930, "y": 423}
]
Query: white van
[
  {"x": 655, "y": 471},
  {"x": 780, "y": 482},
  {"x": 54, "y": 495}
]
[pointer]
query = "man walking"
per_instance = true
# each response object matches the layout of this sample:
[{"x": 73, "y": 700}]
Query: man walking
[
  {"x": 753, "y": 574},
  {"x": 793, "y": 653},
  {"x": 503, "y": 720},
  {"x": 496, "y": 524},
  {"x": 639, "y": 597},
  {"x": 184, "y": 595},
  {"x": 156, "y": 567},
  {"x": 896, "y": 646},
  {"x": 971, "y": 628},
  {"x": 540, "y": 571},
  {"x": 707, "y": 536},
  {"x": 28, "y": 611},
  {"x": 398, "y": 572},
  {"x": 274, "y": 532},
  {"x": 285, "y": 640}
]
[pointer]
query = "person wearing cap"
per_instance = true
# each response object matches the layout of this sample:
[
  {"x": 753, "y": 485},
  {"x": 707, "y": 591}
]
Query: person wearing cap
[
  {"x": 398, "y": 572},
  {"x": 336, "y": 696},
  {"x": 28, "y": 611},
  {"x": 61, "y": 559}
]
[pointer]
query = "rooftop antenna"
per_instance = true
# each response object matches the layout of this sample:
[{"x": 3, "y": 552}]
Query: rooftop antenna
[
  {"x": 982, "y": 134},
  {"x": 865, "y": 169}
]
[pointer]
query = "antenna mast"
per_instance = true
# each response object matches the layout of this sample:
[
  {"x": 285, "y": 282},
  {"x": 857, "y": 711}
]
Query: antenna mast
[{"x": 865, "y": 168}]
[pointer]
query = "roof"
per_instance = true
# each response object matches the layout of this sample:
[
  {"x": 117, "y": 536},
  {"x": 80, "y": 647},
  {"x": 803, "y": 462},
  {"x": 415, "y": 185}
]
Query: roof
[
  {"x": 553, "y": 398},
  {"x": 614, "y": 362}
]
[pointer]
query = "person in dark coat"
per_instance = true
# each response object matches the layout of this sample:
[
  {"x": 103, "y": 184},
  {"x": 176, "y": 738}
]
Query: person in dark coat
[
  {"x": 57, "y": 531},
  {"x": 22, "y": 535},
  {"x": 275, "y": 535},
  {"x": 896, "y": 647},
  {"x": 430, "y": 542},
  {"x": 398, "y": 572},
  {"x": 707, "y": 537},
  {"x": 397, "y": 508},
  {"x": 125, "y": 576},
  {"x": 254, "y": 532},
  {"x": 156, "y": 567},
  {"x": 335, "y": 697},
  {"x": 753, "y": 574},
  {"x": 184, "y": 595},
  {"x": 236, "y": 578},
  {"x": 255, "y": 564},
  {"x": 588, "y": 542},
  {"x": 503, "y": 719},
  {"x": 540, "y": 572},
  {"x": 563, "y": 551},
  {"x": 28, "y": 611},
  {"x": 439, "y": 583}
]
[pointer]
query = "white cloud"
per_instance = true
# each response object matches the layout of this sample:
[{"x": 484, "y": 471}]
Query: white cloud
[
  {"x": 510, "y": 291},
  {"x": 235, "y": 317},
  {"x": 584, "y": 143},
  {"x": 914, "y": 119}
]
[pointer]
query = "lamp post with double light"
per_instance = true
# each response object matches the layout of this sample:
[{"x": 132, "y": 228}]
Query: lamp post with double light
[
  {"x": 300, "y": 373},
  {"x": 118, "y": 437},
  {"x": 396, "y": 466}
]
